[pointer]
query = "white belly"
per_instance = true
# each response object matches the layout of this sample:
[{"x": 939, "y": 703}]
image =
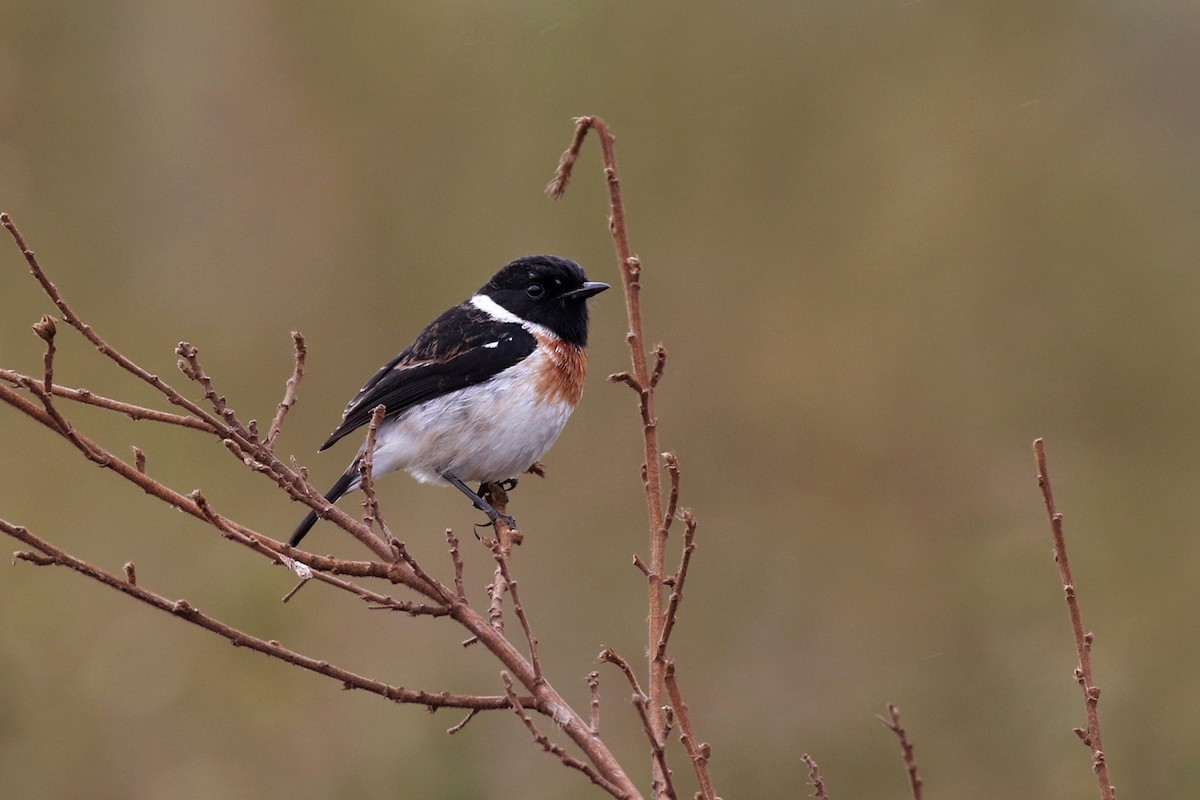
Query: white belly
[{"x": 485, "y": 433}]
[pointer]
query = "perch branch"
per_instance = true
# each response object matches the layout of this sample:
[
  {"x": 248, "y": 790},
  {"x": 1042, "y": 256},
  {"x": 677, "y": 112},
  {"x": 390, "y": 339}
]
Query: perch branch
[{"x": 502, "y": 569}]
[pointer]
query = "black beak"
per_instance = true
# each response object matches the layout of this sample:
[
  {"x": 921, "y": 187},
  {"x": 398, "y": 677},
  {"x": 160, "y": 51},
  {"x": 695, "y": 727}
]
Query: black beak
[{"x": 588, "y": 289}]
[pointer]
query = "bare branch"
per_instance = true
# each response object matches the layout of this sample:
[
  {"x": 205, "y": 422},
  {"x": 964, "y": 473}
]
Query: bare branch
[
  {"x": 593, "y": 682},
  {"x": 366, "y": 465},
  {"x": 456, "y": 559},
  {"x": 132, "y": 411},
  {"x": 501, "y": 546},
  {"x": 69, "y": 316},
  {"x": 814, "y": 776},
  {"x": 1083, "y": 639},
  {"x": 562, "y": 175},
  {"x": 184, "y": 610},
  {"x": 44, "y": 328},
  {"x": 660, "y": 364},
  {"x": 698, "y": 752},
  {"x": 503, "y": 574},
  {"x": 642, "y": 380},
  {"x": 672, "y": 463},
  {"x": 456, "y": 728},
  {"x": 33, "y": 558},
  {"x": 549, "y": 746},
  {"x": 289, "y": 394},
  {"x": 906, "y": 748},
  {"x": 685, "y": 560},
  {"x": 664, "y": 785},
  {"x": 61, "y": 426},
  {"x": 610, "y": 656},
  {"x": 626, "y": 378},
  {"x": 189, "y": 365}
]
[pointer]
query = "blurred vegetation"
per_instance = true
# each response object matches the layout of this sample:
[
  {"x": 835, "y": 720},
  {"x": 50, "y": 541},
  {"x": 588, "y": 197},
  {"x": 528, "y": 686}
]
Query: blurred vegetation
[{"x": 886, "y": 245}]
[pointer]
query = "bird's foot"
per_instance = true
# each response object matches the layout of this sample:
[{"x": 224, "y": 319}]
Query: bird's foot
[
  {"x": 494, "y": 522},
  {"x": 508, "y": 484}
]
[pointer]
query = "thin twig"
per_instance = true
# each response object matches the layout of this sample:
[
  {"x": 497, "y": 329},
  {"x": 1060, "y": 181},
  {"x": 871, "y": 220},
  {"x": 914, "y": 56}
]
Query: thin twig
[
  {"x": 671, "y": 462},
  {"x": 456, "y": 559},
  {"x": 593, "y": 682},
  {"x": 132, "y": 411},
  {"x": 69, "y": 316},
  {"x": 562, "y": 175},
  {"x": 504, "y": 574},
  {"x": 296, "y": 589},
  {"x": 501, "y": 546},
  {"x": 189, "y": 365},
  {"x": 366, "y": 473},
  {"x": 184, "y": 610},
  {"x": 664, "y": 784},
  {"x": 814, "y": 777},
  {"x": 374, "y": 600},
  {"x": 63, "y": 426},
  {"x": 33, "y": 558},
  {"x": 44, "y": 328},
  {"x": 289, "y": 393},
  {"x": 1083, "y": 639},
  {"x": 892, "y": 723},
  {"x": 698, "y": 752},
  {"x": 660, "y": 364},
  {"x": 549, "y": 746},
  {"x": 453, "y": 729},
  {"x": 678, "y": 580},
  {"x": 610, "y": 656}
]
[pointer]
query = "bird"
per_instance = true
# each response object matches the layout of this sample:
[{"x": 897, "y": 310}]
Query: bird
[{"x": 484, "y": 390}]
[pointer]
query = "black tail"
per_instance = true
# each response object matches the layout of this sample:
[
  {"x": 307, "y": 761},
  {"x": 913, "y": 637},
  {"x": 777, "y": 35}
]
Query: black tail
[{"x": 340, "y": 488}]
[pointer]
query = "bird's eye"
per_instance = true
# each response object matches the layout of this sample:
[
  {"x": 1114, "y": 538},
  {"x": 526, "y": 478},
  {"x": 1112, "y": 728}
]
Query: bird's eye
[{"x": 535, "y": 291}]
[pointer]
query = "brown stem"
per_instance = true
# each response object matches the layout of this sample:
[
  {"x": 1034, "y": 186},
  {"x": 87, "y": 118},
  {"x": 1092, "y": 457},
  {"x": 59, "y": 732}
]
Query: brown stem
[
  {"x": 892, "y": 723},
  {"x": 184, "y": 610},
  {"x": 642, "y": 380},
  {"x": 289, "y": 393},
  {"x": 814, "y": 777},
  {"x": 132, "y": 411},
  {"x": 697, "y": 751},
  {"x": 1083, "y": 639}
]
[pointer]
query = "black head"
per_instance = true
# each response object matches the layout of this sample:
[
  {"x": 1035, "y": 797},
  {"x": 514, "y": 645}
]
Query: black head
[{"x": 546, "y": 290}]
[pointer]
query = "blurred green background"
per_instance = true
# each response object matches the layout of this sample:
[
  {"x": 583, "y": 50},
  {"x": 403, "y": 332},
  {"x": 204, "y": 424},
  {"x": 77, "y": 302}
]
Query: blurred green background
[{"x": 886, "y": 244}]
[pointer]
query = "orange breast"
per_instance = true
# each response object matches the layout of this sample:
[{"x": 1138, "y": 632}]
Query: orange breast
[{"x": 562, "y": 374}]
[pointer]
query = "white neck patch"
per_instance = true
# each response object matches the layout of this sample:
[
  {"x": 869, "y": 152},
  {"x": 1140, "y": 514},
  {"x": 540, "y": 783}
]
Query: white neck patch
[{"x": 501, "y": 314}]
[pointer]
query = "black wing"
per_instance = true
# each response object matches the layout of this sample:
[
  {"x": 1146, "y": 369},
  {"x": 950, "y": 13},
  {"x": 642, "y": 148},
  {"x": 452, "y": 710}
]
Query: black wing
[{"x": 461, "y": 348}]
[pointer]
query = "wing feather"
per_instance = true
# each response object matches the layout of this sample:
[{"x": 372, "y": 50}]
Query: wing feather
[{"x": 463, "y": 347}]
